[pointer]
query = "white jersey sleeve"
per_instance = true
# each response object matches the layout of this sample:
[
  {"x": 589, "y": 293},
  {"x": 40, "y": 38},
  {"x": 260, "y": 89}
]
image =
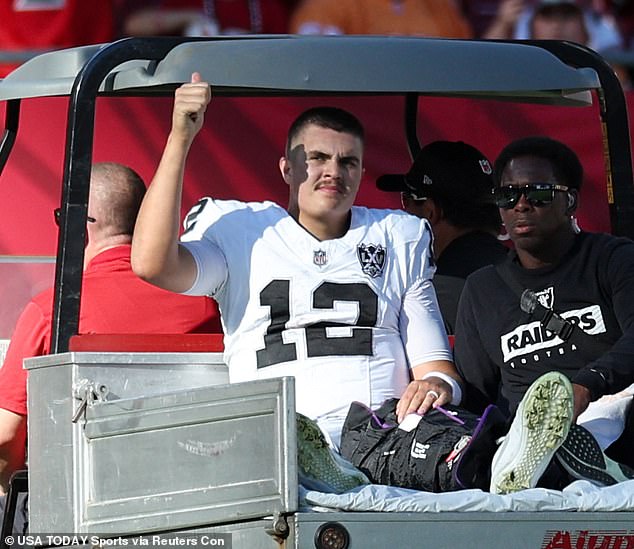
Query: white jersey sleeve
[
  {"x": 422, "y": 328},
  {"x": 421, "y": 325},
  {"x": 211, "y": 267},
  {"x": 198, "y": 238}
]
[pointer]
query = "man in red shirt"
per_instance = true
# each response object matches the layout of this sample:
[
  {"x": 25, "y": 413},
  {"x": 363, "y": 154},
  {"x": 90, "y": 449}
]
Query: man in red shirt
[{"x": 113, "y": 300}]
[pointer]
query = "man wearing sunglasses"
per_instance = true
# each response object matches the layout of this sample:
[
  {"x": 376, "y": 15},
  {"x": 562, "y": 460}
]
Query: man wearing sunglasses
[
  {"x": 581, "y": 319},
  {"x": 450, "y": 185}
]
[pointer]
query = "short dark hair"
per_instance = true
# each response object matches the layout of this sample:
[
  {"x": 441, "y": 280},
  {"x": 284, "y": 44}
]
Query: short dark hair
[
  {"x": 565, "y": 162},
  {"x": 332, "y": 118}
]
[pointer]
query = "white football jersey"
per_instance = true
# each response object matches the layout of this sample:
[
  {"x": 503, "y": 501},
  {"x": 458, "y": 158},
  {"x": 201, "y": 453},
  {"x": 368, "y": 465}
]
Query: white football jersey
[{"x": 346, "y": 317}]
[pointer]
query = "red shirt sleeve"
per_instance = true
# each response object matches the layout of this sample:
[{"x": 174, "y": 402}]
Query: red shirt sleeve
[{"x": 30, "y": 338}]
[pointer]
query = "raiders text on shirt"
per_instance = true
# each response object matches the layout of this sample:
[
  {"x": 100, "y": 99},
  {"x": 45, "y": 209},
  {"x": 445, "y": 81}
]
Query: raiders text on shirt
[{"x": 534, "y": 339}]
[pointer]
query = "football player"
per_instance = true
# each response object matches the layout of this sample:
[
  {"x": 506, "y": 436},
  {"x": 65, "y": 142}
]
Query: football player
[{"x": 336, "y": 295}]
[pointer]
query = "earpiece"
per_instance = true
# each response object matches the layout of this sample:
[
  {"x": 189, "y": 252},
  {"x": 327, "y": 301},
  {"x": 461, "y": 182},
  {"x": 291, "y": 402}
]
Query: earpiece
[{"x": 571, "y": 200}]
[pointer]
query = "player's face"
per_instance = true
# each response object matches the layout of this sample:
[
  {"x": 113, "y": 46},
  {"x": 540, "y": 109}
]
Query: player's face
[{"x": 324, "y": 173}]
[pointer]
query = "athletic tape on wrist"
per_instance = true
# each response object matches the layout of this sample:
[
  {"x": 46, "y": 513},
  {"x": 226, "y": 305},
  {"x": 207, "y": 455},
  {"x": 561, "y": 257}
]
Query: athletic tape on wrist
[{"x": 456, "y": 391}]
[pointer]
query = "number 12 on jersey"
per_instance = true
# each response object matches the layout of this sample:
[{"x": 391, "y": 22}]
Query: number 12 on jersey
[{"x": 277, "y": 296}]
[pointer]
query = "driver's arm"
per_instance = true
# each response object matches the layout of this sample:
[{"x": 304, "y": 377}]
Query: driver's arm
[{"x": 12, "y": 445}]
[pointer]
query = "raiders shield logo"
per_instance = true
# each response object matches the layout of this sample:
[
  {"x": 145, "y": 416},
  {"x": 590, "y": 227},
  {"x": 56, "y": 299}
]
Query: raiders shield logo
[
  {"x": 546, "y": 297},
  {"x": 372, "y": 259}
]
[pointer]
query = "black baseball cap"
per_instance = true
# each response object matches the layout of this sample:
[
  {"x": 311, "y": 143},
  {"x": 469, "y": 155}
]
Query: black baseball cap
[{"x": 450, "y": 169}]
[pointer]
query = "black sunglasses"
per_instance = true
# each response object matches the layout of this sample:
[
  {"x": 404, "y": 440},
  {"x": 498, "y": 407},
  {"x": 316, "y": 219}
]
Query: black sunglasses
[
  {"x": 537, "y": 194},
  {"x": 57, "y": 212}
]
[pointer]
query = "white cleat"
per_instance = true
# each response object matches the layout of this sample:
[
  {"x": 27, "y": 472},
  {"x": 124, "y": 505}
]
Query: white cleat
[{"x": 540, "y": 427}]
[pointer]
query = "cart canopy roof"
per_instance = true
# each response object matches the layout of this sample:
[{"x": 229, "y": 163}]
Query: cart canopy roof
[{"x": 301, "y": 65}]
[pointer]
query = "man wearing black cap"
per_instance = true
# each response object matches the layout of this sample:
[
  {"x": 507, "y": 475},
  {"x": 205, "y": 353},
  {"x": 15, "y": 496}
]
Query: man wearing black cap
[{"x": 450, "y": 184}]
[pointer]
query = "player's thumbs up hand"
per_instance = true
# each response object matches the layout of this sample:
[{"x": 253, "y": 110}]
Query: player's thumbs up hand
[{"x": 190, "y": 103}]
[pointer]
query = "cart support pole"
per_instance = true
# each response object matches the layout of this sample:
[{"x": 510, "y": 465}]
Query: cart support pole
[{"x": 77, "y": 167}]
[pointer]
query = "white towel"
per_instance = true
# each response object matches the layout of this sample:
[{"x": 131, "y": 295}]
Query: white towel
[{"x": 605, "y": 417}]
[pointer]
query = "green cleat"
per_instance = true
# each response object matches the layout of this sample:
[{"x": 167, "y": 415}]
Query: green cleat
[{"x": 320, "y": 467}]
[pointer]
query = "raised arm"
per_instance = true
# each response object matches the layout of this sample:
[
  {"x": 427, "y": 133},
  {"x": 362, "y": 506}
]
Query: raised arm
[{"x": 156, "y": 254}]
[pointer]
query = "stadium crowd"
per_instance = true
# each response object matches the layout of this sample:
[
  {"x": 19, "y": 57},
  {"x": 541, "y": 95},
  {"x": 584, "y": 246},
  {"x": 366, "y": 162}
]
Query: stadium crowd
[{"x": 30, "y": 26}]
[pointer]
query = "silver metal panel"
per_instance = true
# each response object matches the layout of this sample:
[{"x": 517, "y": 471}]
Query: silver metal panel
[
  {"x": 127, "y": 375},
  {"x": 516, "y": 530},
  {"x": 50, "y": 444},
  {"x": 54, "y": 441},
  {"x": 203, "y": 456},
  {"x": 250, "y": 534},
  {"x": 337, "y": 64}
]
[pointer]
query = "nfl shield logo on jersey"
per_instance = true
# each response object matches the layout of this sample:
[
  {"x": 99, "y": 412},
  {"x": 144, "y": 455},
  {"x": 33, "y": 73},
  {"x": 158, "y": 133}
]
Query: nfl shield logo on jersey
[
  {"x": 320, "y": 258},
  {"x": 372, "y": 259}
]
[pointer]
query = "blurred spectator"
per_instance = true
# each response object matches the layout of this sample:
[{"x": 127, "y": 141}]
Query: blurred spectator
[
  {"x": 623, "y": 13},
  {"x": 565, "y": 19},
  {"x": 208, "y": 17},
  {"x": 31, "y": 26},
  {"x": 555, "y": 20},
  {"x": 504, "y": 21},
  {"x": 440, "y": 18},
  {"x": 562, "y": 20},
  {"x": 480, "y": 14}
]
